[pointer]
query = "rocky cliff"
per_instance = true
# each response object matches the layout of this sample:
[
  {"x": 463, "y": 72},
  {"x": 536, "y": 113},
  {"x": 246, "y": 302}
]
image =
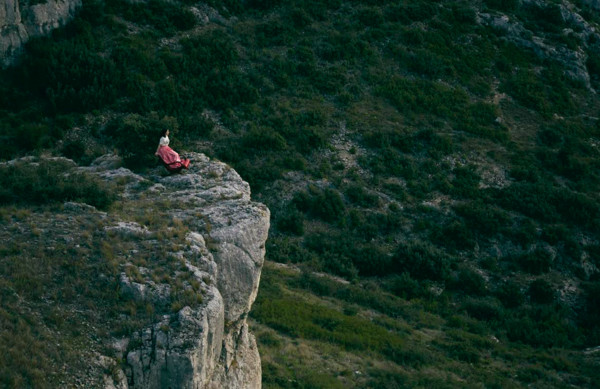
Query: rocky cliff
[
  {"x": 207, "y": 346},
  {"x": 20, "y": 20},
  {"x": 186, "y": 248}
]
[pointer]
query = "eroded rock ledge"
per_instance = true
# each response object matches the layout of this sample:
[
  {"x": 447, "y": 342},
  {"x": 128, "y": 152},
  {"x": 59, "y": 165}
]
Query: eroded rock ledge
[{"x": 209, "y": 345}]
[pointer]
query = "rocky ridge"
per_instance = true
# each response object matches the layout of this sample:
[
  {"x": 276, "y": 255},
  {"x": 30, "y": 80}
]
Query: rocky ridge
[{"x": 20, "y": 21}]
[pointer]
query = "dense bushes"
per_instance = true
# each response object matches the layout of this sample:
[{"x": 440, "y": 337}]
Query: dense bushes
[
  {"x": 50, "y": 181},
  {"x": 550, "y": 204},
  {"x": 163, "y": 16},
  {"x": 137, "y": 137},
  {"x": 326, "y": 204},
  {"x": 422, "y": 261}
]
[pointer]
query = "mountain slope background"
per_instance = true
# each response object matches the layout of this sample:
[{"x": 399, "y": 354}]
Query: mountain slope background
[{"x": 432, "y": 169}]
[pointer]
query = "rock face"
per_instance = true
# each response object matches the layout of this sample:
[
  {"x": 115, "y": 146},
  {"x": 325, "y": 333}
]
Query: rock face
[
  {"x": 573, "y": 60},
  {"x": 20, "y": 21},
  {"x": 209, "y": 345}
]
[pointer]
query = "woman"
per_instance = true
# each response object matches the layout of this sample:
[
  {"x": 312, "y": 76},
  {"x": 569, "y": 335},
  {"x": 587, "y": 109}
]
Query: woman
[{"x": 168, "y": 156}]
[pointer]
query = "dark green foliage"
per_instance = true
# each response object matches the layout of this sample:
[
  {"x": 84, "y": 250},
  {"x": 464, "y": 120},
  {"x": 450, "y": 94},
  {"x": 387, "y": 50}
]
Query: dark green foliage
[
  {"x": 534, "y": 262},
  {"x": 510, "y": 294},
  {"x": 465, "y": 182},
  {"x": 480, "y": 119},
  {"x": 263, "y": 138},
  {"x": 546, "y": 93},
  {"x": 411, "y": 12},
  {"x": 502, "y": 5},
  {"x": 546, "y": 17},
  {"x": 590, "y": 311},
  {"x": 422, "y": 261},
  {"x": 550, "y": 204},
  {"x": 161, "y": 15},
  {"x": 469, "y": 281},
  {"x": 542, "y": 326},
  {"x": 326, "y": 204},
  {"x": 484, "y": 219},
  {"x": 292, "y": 222},
  {"x": 455, "y": 235},
  {"x": 51, "y": 181},
  {"x": 286, "y": 249},
  {"x": 406, "y": 287},
  {"x": 391, "y": 162},
  {"x": 359, "y": 196},
  {"x": 70, "y": 75},
  {"x": 137, "y": 138},
  {"x": 75, "y": 150},
  {"x": 593, "y": 66},
  {"x": 541, "y": 292},
  {"x": 424, "y": 97}
]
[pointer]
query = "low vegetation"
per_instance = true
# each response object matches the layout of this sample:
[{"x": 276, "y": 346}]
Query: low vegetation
[{"x": 446, "y": 170}]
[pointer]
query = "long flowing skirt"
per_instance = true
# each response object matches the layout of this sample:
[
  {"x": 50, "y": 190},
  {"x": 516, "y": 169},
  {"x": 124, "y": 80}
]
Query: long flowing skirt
[{"x": 171, "y": 159}]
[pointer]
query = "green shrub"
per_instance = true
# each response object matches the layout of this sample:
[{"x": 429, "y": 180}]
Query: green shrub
[
  {"x": 70, "y": 75},
  {"x": 524, "y": 232},
  {"x": 542, "y": 326},
  {"x": 137, "y": 137},
  {"x": 541, "y": 292},
  {"x": 482, "y": 218},
  {"x": 502, "y": 5},
  {"x": 48, "y": 181},
  {"x": 391, "y": 162},
  {"x": 534, "y": 262},
  {"x": 326, "y": 204},
  {"x": 291, "y": 222},
  {"x": 510, "y": 294},
  {"x": 469, "y": 281},
  {"x": 410, "y": 12},
  {"x": 480, "y": 119},
  {"x": 589, "y": 312},
  {"x": 422, "y": 261},
  {"x": 548, "y": 203},
  {"x": 405, "y": 286},
  {"x": 547, "y": 17},
  {"x": 287, "y": 250},
  {"x": 455, "y": 235},
  {"x": 546, "y": 93},
  {"x": 263, "y": 138},
  {"x": 465, "y": 182},
  {"x": 359, "y": 196},
  {"x": 486, "y": 309},
  {"x": 424, "y": 97}
]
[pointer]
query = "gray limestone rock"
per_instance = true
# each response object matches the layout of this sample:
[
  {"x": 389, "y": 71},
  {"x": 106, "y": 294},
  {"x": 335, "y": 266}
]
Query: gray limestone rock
[
  {"x": 20, "y": 21},
  {"x": 207, "y": 346}
]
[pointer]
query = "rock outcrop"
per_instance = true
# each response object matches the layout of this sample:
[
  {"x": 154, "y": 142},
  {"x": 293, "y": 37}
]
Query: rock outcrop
[
  {"x": 572, "y": 59},
  {"x": 20, "y": 20},
  {"x": 207, "y": 345}
]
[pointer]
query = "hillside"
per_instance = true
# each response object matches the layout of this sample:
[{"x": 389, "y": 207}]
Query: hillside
[{"x": 432, "y": 169}]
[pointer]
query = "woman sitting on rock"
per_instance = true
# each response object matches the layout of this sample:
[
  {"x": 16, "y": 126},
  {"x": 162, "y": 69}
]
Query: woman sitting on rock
[{"x": 168, "y": 156}]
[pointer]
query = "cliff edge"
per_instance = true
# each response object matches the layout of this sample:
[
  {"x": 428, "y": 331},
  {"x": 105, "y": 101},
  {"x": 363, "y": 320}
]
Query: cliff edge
[
  {"x": 207, "y": 346},
  {"x": 151, "y": 292}
]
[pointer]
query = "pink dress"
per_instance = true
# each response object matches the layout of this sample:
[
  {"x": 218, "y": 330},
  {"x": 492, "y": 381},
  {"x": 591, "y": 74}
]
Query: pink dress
[{"x": 170, "y": 157}]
